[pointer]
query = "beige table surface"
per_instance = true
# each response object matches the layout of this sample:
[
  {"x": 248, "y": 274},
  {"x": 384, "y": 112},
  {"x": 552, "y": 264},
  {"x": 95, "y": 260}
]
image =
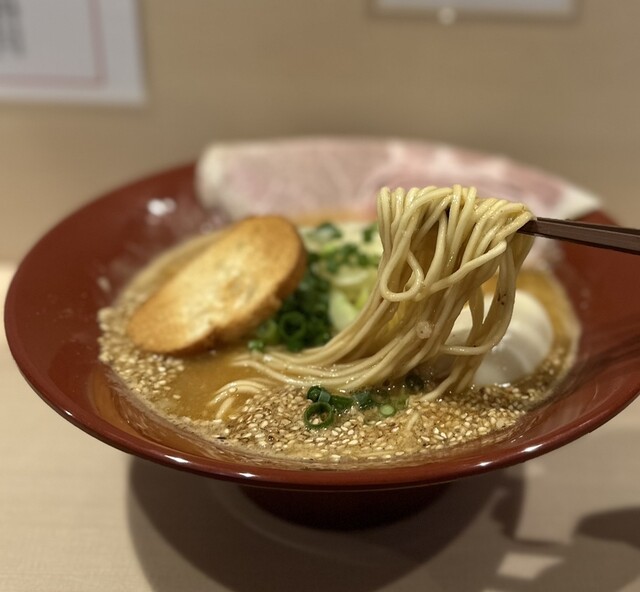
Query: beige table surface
[{"x": 77, "y": 515}]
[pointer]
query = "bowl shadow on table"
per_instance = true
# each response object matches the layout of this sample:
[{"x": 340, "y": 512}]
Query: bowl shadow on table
[
  {"x": 189, "y": 530},
  {"x": 194, "y": 533}
]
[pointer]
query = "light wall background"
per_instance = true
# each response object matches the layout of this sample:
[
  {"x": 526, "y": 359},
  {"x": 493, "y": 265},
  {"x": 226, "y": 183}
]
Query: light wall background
[{"x": 563, "y": 96}]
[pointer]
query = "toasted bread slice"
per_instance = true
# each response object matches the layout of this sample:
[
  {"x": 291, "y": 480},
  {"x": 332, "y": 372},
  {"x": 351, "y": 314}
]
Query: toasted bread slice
[{"x": 227, "y": 290}]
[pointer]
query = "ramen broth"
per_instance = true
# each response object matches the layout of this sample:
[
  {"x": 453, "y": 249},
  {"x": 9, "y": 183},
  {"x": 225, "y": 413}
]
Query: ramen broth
[{"x": 181, "y": 390}]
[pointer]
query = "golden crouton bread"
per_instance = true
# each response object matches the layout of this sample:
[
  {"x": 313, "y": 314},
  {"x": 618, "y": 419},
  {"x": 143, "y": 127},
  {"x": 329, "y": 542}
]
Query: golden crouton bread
[{"x": 226, "y": 291}]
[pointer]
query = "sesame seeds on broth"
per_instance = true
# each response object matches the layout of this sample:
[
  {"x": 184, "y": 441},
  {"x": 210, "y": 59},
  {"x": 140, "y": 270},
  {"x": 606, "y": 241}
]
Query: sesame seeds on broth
[{"x": 269, "y": 424}]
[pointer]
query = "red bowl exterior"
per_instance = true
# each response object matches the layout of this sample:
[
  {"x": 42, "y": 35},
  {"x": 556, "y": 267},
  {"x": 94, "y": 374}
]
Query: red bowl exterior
[{"x": 78, "y": 267}]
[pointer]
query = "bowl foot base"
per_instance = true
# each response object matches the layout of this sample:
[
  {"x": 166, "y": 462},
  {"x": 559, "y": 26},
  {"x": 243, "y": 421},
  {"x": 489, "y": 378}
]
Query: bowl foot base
[{"x": 343, "y": 510}]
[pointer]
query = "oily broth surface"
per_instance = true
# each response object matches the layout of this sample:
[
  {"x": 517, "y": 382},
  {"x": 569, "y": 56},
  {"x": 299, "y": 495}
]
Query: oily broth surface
[{"x": 180, "y": 390}]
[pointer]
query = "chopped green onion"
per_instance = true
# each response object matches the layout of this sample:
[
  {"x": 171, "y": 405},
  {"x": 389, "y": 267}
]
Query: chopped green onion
[
  {"x": 314, "y": 392},
  {"x": 363, "y": 259},
  {"x": 321, "y": 396},
  {"x": 294, "y": 345},
  {"x": 348, "y": 254},
  {"x": 256, "y": 345},
  {"x": 387, "y": 410},
  {"x": 363, "y": 399},
  {"x": 324, "y": 397},
  {"x": 292, "y": 327},
  {"x": 340, "y": 403},
  {"x": 326, "y": 232},
  {"x": 319, "y": 415},
  {"x": 317, "y": 332},
  {"x": 267, "y": 332},
  {"x": 369, "y": 232}
]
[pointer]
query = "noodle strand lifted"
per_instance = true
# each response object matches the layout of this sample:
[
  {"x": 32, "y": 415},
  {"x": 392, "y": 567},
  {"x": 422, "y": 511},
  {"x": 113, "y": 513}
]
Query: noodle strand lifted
[{"x": 440, "y": 245}]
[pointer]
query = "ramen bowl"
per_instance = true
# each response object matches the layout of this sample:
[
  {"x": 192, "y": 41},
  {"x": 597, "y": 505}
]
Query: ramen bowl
[{"x": 81, "y": 265}]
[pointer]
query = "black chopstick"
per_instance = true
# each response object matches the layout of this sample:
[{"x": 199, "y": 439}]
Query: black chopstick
[{"x": 605, "y": 236}]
